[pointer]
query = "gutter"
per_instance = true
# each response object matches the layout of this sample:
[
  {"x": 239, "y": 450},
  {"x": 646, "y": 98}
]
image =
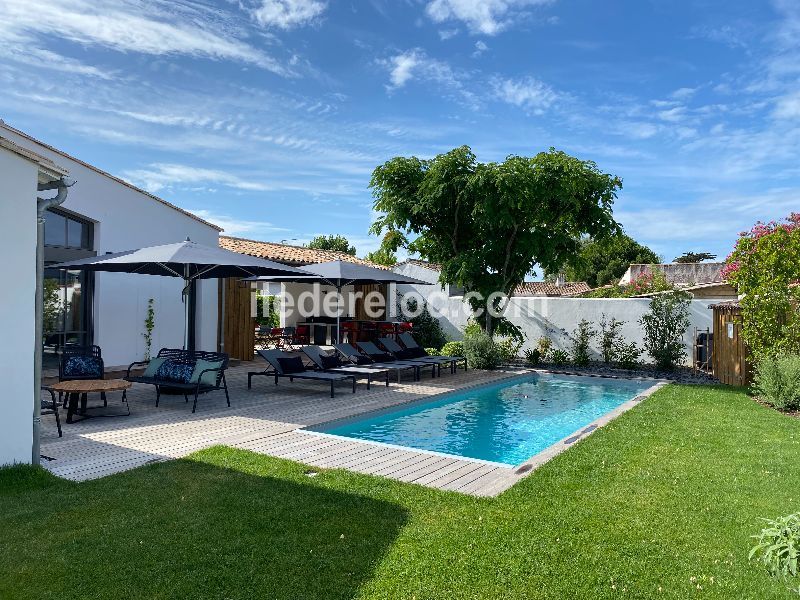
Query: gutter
[{"x": 42, "y": 204}]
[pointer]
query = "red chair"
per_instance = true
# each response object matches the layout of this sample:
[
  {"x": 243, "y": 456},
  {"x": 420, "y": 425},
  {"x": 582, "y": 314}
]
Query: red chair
[
  {"x": 302, "y": 335},
  {"x": 276, "y": 336},
  {"x": 349, "y": 332},
  {"x": 387, "y": 329}
]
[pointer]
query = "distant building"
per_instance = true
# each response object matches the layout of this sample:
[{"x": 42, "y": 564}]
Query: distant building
[{"x": 702, "y": 280}]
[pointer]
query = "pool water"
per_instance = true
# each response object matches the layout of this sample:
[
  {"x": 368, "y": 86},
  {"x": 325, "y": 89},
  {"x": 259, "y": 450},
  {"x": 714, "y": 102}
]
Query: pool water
[{"x": 505, "y": 423}]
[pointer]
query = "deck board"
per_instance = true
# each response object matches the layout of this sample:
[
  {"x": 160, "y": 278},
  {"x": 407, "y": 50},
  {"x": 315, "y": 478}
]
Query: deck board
[{"x": 267, "y": 419}]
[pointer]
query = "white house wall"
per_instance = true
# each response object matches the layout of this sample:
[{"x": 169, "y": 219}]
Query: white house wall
[
  {"x": 126, "y": 219},
  {"x": 18, "y": 179}
]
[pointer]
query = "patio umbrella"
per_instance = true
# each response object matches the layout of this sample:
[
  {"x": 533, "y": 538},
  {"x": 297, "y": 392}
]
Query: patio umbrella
[
  {"x": 188, "y": 260},
  {"x": 341, "y": 273}
]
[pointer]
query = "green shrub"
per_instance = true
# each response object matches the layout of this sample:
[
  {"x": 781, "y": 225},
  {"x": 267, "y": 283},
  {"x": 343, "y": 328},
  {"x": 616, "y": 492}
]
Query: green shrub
[
  {"x": 609, "y": 337},
  {"x": 509, "y": 349},
  {"x": 778, "y": 546},
  {"x": 626, "y": 355},
  {"x": 581, "y": 338},
  {"x": 559, "y": 357},
  {"x": 777, "y": 381},
  {"x": 544, "y": 345},
  {"x": 453, "y": 349},
  {"x": 432, "y": 351},
  {"x": 664, "y": 326},
  {"x": 481, "y": 350},
  {"x": 533, "y": 357},
  {"x": 427, "y": 329}
]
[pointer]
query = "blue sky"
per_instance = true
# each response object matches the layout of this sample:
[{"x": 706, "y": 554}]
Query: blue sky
[{"x": 268, "y": 116}]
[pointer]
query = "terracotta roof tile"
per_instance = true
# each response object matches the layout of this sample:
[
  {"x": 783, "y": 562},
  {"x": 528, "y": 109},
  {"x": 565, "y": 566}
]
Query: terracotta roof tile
[
  {"x": 543, "y": 288},
  {"x": 286, "y": 254}
]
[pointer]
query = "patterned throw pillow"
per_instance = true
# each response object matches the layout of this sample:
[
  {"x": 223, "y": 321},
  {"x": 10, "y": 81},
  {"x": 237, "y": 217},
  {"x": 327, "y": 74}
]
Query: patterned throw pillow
[
  {"x": 177, "y": 371},
  {"x": 83, "y": 366}
]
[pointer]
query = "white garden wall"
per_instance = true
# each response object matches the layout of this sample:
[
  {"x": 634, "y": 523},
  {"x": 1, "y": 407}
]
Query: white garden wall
[{"x": 558, "y": 317}]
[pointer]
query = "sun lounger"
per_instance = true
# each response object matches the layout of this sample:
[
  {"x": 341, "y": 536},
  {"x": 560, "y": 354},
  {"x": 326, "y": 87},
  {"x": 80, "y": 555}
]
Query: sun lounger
[
  {"x": 274, "y": 358},
  {"x": 331, "y": 363},
  {"x": 406, "y": 354},
  {"x": 411, "y": 344},
  {"x": 352, "y": 354},
  {"x": 377, "y": 354}
]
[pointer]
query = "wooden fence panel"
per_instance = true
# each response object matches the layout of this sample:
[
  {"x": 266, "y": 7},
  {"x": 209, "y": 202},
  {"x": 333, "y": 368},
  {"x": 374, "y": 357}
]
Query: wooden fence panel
[
  {"x": 239, "y": 324},
  {"x": 730, "y": 358}
]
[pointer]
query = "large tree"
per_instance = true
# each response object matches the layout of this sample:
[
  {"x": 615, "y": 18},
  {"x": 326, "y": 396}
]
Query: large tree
[
  {"x": 337, "y": 243},
  {"x": 488, "y": 224},
  {"x": 605, "y": 260}
]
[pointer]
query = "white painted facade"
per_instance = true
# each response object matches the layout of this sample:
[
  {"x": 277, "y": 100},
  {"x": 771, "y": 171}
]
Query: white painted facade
[
  {"x": 19, "y": 176},
  {"x": 126, "y": 218}
]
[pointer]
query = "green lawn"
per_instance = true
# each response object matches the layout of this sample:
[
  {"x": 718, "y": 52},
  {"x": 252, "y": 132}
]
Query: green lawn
[{"x": 660, "y": 503}]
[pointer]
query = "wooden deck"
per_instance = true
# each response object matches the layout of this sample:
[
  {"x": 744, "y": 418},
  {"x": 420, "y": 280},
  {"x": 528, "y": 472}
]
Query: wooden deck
[{"x": 266, "y": 420}]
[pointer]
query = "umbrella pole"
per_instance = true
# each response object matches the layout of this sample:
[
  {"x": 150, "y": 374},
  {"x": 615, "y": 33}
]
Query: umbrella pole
[{"x": 338, "y": 315}]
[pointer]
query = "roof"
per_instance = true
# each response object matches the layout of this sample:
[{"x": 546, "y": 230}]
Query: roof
[
  {"x": 726, "y": 305},
  {"x": 45, "y": 164},
  {"x": 286, "y": 254},
  {"x": 544, "y": 288},
  {"x": 4, "y": 125},
  {"x": 422, "y": 263},
  {"x": 679, "y": 274}
]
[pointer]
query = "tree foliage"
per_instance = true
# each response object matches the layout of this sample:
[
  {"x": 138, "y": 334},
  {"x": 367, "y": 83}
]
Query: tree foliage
[
  {"x": 336, "y": 243},
  {"x": 694, "y": 257},
  {"x": 487, "y": 224},
  {"x": 605, "y": 260},
  {"x": 765, "y": 268}
]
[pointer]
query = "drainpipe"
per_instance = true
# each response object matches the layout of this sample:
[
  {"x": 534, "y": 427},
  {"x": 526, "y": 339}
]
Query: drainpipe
[{"x": 42, "y": 204}]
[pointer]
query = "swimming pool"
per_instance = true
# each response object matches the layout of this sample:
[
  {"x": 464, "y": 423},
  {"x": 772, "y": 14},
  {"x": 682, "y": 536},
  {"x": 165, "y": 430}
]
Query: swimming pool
[{"x": 506, "y": 422}]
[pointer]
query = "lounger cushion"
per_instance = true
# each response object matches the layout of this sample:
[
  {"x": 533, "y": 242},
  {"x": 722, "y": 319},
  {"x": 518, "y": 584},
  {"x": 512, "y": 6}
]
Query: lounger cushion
[
  {"x": 360, "y": 359},
  {"x": 416, "y": 352},
  {"x": 383, "y": 357},
  {"x": 329, "y": 362},
  {"x": 179, "y": 371},
  {"x": 405, "y": 353},
  {"x": 291, "y": 364}
]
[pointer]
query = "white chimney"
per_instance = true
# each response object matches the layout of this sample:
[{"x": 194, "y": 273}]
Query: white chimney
[{"x": 561, "y": 280}]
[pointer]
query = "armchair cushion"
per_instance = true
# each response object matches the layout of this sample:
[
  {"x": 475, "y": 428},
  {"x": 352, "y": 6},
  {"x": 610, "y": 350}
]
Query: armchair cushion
[
  {"x": 82, "y": 366},
  {"x": 209, "y": 378},
  {"x": 153, "y": 366},
  {"x": 179, "y": 371}
]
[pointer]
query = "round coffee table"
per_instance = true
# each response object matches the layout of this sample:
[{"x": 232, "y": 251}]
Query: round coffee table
[{"x": 84, "y": 387}]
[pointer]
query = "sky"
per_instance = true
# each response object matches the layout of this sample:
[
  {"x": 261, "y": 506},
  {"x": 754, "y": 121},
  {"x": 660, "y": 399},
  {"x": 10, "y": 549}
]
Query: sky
[{"x": 267, "y": 117}]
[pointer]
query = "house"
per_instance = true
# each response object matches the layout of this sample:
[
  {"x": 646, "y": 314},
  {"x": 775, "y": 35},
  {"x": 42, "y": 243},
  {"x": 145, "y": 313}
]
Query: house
[
  {"x": 101, "y": 214},
  {"x": 702, "y": 280},
  {"x": 21, "y": 171},
  {"x": 309, "y": 300}
]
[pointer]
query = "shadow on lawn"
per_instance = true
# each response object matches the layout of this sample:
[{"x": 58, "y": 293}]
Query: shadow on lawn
[{"x": 190, "y": 529}]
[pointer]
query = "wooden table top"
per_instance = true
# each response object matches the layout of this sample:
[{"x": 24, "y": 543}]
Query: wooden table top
[{"x": 86, "y": 386}]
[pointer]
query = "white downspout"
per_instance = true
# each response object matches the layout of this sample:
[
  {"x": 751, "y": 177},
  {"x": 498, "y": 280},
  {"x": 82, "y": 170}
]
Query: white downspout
[{"x": 42, "y": 204}]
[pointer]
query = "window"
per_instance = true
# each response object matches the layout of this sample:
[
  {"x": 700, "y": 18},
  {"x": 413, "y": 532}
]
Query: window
[{"x": 65, "y": 231}]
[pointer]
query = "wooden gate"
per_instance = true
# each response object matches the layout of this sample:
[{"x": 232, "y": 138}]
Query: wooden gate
[
  {"x": 238, "y": 325},
  {"x": 730, "y": 357},
  {"x": 360, "y": 310}
]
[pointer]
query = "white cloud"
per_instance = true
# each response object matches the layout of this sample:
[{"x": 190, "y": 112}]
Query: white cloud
[
  {"x": 145, "y": 27},
  {"x": 415, "y": 64},
  {"x": 157, "y": 176},
  {"x": 238, "y": 227},
  {"x": 288, "y": 14},
  {"x": 446, "y": 34},
  {"x": 528, "y": 93},
  {"x": 788, "y": 107},
  {"x": 480, "y": 48},
  {"x": 403, "y": 66},
  {"x": 487, "y": 17}
]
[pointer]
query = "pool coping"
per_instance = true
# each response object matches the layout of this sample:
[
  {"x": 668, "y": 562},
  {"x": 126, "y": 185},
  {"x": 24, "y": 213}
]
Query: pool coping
[{"x": 527, "y": 466}]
